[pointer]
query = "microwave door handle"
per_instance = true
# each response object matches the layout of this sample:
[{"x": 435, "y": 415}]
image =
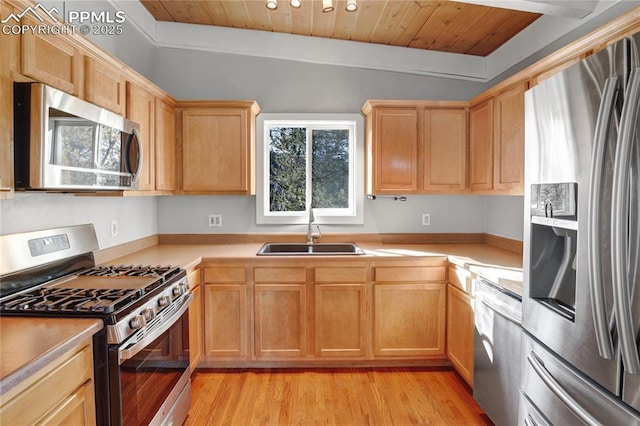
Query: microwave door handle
[
  {"x": 620, "y": 226},
  {"x": 594, "y": 253},
  {"x": 135, "y": 138}
]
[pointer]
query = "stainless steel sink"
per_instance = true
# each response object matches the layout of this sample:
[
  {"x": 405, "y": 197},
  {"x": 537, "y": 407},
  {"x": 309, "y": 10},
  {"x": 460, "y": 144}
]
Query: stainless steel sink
[{"x": 302, "y": 249}]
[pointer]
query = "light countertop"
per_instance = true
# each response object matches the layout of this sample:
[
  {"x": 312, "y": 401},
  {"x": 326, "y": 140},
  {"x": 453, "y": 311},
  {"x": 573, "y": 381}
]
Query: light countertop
[
  {"x": 28, "y": 344},
  {"x": 497, "y": 265}
]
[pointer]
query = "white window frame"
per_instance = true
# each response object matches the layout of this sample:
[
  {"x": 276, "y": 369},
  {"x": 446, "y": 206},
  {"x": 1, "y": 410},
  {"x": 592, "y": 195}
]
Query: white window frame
[{"x": 354, "y": 215}]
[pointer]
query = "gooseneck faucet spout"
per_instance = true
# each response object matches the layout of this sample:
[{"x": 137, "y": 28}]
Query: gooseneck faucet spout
[{"x": 312, "y": 237}]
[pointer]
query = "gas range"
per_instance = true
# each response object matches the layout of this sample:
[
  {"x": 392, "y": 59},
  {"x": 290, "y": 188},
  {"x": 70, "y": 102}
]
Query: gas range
[
  {"x": 144, "y": 343},
  {"x": 126, "y": 297}
]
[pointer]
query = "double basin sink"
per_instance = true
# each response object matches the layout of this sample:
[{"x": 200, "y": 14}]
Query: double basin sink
[{"x": 303, "y": 249}]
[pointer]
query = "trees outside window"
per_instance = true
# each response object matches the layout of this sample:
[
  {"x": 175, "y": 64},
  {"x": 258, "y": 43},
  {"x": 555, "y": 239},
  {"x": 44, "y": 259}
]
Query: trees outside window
[{"x": 309, "y": 163}]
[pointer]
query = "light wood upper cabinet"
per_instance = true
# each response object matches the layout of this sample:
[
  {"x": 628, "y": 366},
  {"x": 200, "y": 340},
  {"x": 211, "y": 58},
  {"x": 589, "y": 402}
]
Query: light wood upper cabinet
[
  {"x": 218, "y": 153},
  {"x": 9, "y": 67},
  {"x": 141, "y": 109},
  {"x": 496, "y": 143},
  {"x": 508, "y": 143},
  {"x": 481, "y": 147},
  {"x": 416, "y": 147},
  {"x": 165, "y": 147},
  {"x": 104, "y": 85},
  {"x": 52, "y": 60},
  {"x": 445, "y": 150},
  {"x": 394, "y": 148}
]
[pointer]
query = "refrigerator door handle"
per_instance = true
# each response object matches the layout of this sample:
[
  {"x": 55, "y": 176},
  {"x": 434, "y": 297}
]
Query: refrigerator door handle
[
  {"x": 556, "y": 388},
  {"x": 594, "y": 258},
  {"x": 620, "y": 226}
]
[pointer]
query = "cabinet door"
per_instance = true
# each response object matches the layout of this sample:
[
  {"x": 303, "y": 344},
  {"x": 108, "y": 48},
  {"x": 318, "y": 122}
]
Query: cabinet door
[
  {"x": 9, "y": 67},
  {"x": 395, "y": 150},
  {"x": 481, "y": 147},
  {"x": 104, "y": 86},
  {"x": 280, "y": 321},
  {"x": 195, "y": 327},
  {"x": 165, "y": 147},
  {"x": 340, "y": 320},
  {"x": 216, "y": 151},
  {"x": 77, "y": 409},
  {"x": 460, "y": 332},
  {"x": 409, "y": 320},
  {"x": 225, "y": 321},
  {"x": 141, "y": 109},
  {"x": 445, "y": 150},
  {"x": 508, "y": 155},
  {"x": 62, "y": 390},
  {"x": 49, "y": 59}
]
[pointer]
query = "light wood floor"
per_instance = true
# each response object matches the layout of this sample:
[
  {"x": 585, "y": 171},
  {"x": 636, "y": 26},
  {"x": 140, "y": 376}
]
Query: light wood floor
[{"x": 349, "y": 397}]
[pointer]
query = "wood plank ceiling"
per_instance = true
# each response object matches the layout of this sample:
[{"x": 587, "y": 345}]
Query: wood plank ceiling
[{"x": 439, "y": 25}]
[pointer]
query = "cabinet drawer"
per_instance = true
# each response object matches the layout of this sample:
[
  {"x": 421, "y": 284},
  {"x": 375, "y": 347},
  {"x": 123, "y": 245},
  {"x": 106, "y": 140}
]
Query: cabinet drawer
[
  {"x": 194, "y": 278},
  {"x": 409, "y": 273},
  {"x": 224, "y": 275},
  {"x": 341, "y": 275},
  {"x": 47, "y": 393},
  {"x": 461, "y": 279},
  {"x": 280, "y": 275}
]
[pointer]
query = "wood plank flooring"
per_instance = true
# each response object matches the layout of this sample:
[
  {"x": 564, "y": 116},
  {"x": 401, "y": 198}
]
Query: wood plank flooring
[{"x": 350, "y": 397}]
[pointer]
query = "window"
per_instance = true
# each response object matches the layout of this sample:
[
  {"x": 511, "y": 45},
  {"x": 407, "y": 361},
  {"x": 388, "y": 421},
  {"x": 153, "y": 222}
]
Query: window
[{"x": 310, "y": 161}]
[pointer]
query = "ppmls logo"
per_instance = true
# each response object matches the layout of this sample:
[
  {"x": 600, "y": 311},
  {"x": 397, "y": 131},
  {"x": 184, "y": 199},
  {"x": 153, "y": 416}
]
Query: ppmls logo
[
  {"x": 12, "y": 23},
  {"x": 33, "y": 11}
]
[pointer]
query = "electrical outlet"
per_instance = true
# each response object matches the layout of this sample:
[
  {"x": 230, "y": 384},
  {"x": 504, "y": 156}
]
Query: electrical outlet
[
  {"x": 426, "y": 219},
  {"x": 215, "y": 221},
  {"x": 114, "y": 228}
]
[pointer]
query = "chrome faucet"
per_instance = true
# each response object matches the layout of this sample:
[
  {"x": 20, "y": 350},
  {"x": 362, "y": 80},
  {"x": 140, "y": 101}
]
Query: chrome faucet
[{"x": 312, "y": 236}]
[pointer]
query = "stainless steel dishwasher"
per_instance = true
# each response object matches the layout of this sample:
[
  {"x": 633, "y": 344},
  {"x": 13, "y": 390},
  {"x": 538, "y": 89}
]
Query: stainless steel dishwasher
[{"x": 496, "y": 351}]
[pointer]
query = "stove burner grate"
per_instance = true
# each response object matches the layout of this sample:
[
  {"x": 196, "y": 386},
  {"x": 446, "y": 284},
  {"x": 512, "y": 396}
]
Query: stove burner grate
[{"x": 67, "y": 300}]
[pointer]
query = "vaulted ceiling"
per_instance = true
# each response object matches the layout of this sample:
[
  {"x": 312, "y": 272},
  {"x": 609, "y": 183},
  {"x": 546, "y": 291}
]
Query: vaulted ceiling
[{"x": 437, "y": 25}]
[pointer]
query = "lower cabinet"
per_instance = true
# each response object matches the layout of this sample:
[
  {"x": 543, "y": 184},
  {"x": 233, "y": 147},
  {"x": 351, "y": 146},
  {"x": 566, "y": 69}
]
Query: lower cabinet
[
  {"x": 460, "y": 323},
  {"x": 280, "y": 320},
  {"x": 340, "y": 312},
  {"x": 195, "y": 320},
  {"x": 63, "y": 393},
  {"x": 280, "y": 311},
  {"x": 323, "y": 311},
  {"x": 225, "y": 313},
  {"x": 409, "y": 320}
]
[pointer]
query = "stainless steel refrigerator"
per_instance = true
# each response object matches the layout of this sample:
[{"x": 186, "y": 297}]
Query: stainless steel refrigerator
[{"x": 581, "y": 304}]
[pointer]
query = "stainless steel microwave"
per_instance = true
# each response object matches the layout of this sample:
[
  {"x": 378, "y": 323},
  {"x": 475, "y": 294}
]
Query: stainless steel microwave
[{"x": 62, "y": 143}]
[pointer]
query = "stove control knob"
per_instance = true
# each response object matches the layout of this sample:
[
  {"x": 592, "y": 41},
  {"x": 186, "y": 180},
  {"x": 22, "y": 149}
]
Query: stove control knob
[
  {"x": 136, "y": 322},
  {"x": 163, "y": 301},
  {"x": 177, "y": 291},
  {"x": 148, "y": 314}
]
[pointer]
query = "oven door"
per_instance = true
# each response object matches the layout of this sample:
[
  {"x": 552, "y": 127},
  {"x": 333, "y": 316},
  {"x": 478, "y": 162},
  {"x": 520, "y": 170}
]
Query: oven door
[{"x": 150, "y": 378}]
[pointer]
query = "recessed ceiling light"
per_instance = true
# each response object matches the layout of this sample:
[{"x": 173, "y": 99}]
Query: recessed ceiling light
[
  {"x": 351, "y": 6},
  {"x": 327, "y": 5},
  {"x": 272, "y": 4}
]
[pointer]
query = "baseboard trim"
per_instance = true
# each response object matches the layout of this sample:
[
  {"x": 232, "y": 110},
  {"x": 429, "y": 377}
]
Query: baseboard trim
[
  {"x": 418, "y": 238},
  {"x": 504, "y": 243},
  {"x": 110, "y": 253}
]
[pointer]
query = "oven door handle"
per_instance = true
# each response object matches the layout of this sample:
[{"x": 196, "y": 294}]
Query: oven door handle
[{"x": 130, "y": 351}]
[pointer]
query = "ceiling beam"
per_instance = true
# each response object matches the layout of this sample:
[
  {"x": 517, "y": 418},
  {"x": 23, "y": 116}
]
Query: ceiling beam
[{"x": 577, "y": 9}]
